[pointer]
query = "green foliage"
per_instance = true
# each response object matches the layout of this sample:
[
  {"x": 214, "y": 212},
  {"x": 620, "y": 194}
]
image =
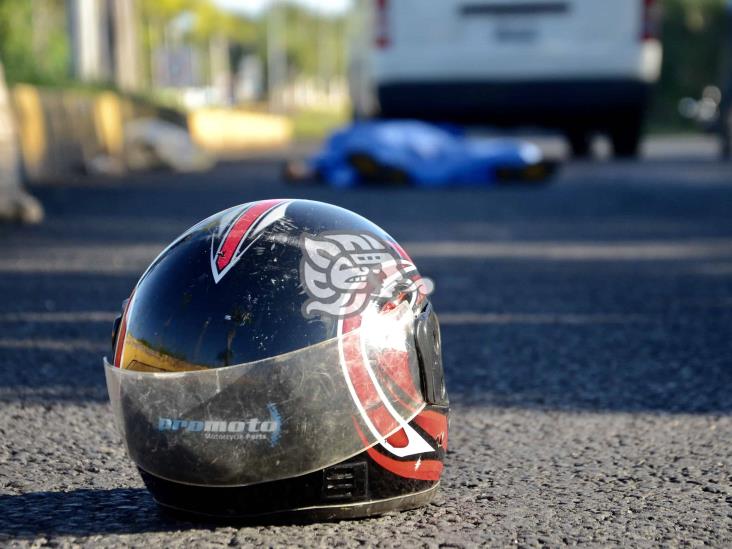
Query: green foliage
[
  {"x": 315, "y": 125},
  {"x": 34, "y": 40},
  {"x": 201, "y": 21},
  {"x": 34, "y": 44},
  {"x": 315, "y": 44},
  {"x": 211, "y": 21},
  {"x": 693, "y": 38},
  {"x": 208, "y": 20}
]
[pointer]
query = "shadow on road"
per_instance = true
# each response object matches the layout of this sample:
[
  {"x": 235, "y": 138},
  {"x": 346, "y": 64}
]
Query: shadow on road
[
  {"x": 86, "y": 512},
  {"x": 83, "y": 512}
]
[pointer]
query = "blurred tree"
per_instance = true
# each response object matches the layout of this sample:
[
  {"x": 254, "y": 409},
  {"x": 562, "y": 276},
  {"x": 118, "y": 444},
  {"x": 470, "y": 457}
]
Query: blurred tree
[
  {"x": 163, "y": 11},
  {"x": 314, "y": 43},
  {"x": 33, "y": 41},
  {"x": 312, "y": 38},
  {"x": 200, "y": 24},
  {"x": 693, "y": 33},
  {"x": 211, "y": 21}
]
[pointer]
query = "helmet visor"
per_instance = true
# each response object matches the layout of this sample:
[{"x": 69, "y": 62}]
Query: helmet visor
[{"x": 274, "y": 418}]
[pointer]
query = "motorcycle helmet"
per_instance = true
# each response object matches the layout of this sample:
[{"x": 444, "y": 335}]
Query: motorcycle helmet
[{"x": 282, "y": 356}]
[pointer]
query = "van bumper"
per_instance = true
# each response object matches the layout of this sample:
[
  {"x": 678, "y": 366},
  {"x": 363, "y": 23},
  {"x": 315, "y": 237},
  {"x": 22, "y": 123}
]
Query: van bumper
[{"x": 594, "y": 103}]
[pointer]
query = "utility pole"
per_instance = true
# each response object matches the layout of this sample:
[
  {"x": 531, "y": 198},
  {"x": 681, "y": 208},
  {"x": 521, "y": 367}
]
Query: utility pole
[
  {"x": 90, "y": 40},
  {"x": 127, "y": 55},
  {"x": 276, "y": 58},
  {"x": 220, "y": 62}
]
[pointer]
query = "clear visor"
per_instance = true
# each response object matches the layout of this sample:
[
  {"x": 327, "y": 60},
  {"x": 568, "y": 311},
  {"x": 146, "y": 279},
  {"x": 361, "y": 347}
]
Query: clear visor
[{"x": 274, "y": 418}]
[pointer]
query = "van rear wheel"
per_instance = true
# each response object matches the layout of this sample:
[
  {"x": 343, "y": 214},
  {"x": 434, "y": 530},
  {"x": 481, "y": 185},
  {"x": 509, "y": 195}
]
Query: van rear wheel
[
  {"x": 626, "y": 137},
  {"x": 579, "y": 142}
]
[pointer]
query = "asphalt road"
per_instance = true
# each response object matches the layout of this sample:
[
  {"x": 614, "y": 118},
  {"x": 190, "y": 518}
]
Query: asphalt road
[{"x": 587, "y": 345}]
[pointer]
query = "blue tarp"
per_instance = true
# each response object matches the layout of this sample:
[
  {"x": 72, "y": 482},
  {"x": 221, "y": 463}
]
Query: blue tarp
[{"x": 413, "y": 152}]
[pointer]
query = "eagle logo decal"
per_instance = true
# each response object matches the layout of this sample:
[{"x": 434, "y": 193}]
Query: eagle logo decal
[{"x": 343, "y": 272}]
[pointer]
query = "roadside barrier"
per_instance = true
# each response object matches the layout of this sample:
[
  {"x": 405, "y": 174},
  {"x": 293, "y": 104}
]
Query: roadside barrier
[
  {"x": 227, "y": 131},
  {"x": 15, "y": 203},
  {"x": 66, "y": 133}
]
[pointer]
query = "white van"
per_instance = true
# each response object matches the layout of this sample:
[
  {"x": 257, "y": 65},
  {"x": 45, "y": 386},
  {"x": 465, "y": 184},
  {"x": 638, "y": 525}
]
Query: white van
[{"x": 580, "y": 66}]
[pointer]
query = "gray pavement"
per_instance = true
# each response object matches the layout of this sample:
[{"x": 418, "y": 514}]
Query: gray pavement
[{"x": 587, "y": 345}]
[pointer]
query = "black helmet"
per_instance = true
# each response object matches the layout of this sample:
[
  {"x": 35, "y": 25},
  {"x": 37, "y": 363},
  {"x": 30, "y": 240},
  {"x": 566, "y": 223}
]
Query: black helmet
[{"x": 282, "y": 356}]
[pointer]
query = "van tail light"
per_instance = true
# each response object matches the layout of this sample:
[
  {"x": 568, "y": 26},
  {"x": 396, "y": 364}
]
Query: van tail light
[
  {"x": 651, "y": 20},
  {"x": 382, "y": 39}
]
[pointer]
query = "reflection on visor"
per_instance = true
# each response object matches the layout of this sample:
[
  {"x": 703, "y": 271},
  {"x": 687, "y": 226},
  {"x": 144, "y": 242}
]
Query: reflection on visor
[{"x": 274, "y": 418}]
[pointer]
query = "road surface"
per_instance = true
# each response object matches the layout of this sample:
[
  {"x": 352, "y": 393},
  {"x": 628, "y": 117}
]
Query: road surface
[{"x": 587, "y": 341}]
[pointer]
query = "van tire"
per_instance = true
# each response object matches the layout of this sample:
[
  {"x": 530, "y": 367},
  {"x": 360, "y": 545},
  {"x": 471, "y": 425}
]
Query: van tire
[
  {"x": 580, "y": 143},
  {"x": 626, "y": 139}
]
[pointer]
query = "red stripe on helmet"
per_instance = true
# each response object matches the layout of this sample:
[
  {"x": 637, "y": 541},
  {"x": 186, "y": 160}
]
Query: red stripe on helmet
[
  {"x": 419, "y": 469},
  {"x": 391, "y": 370},
  {"x": 239, "y": 230},
  {"x": 399, "y": 439},
  {"x": 361, "y": 380},
  {"x": 435, "y": 424}
]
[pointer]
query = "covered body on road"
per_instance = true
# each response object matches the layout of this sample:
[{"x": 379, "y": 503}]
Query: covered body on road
[{"x": 403, "y": 152}]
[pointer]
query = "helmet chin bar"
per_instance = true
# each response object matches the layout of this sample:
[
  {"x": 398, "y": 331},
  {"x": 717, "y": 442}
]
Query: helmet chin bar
[{"x": 358, "y": 487}]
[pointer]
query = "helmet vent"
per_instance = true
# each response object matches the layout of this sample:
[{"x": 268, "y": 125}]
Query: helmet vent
[{"x": 346, "y": 481}]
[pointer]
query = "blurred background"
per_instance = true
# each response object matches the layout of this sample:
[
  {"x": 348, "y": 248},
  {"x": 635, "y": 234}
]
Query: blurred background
[
  {"x": 82, "y": 76},
  {"x": 585, "y": 319},
  {"x": 239, "y": 75}
]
